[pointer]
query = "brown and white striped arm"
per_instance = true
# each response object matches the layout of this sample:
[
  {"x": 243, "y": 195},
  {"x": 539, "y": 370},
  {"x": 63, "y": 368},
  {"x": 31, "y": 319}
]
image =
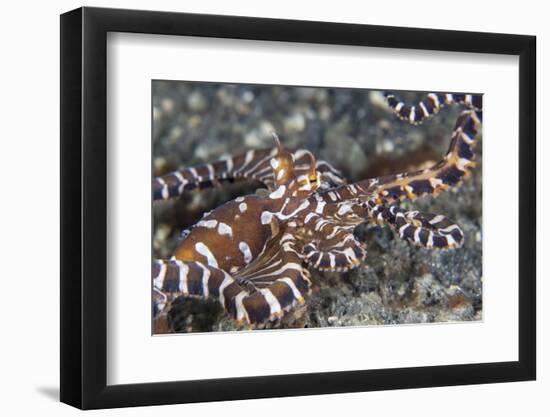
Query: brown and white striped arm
[
  {"x": 338, "y": 251},
  {"x": 264, "y": 291},
  {"x": 277, "y": 280},
  {"x": 424, "y": 229},
  {"x": 253, "y": 164},
  {"x": 174, "y": 278},
  {"x": 450, "y": 171},
  {"x": 430, "y": 105}
]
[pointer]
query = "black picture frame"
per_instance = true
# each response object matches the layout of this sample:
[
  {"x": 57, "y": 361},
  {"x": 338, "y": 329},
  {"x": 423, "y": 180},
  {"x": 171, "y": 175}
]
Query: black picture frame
[{"x": 84, "y": 207}]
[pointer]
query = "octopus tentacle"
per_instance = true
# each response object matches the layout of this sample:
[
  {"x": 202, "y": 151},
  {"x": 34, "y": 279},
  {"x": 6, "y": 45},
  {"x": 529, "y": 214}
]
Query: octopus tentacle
[
  {"x": 424, "y": 229},
  {"x": 174, "y": 278},
  {"x": 329, "y": 176},
  {"x": 430, "y": 105},
  {"x": 254, "y": 164},
  {"x": 277, "y": 280},
  {"x": 450, "y": 171},
  {"x": 264, "y": 291},
  {"x": 338, "y": 255}
]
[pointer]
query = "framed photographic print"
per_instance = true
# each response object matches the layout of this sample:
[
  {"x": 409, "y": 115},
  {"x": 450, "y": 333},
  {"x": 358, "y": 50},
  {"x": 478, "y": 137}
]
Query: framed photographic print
[{"x": 257, "y": 208}]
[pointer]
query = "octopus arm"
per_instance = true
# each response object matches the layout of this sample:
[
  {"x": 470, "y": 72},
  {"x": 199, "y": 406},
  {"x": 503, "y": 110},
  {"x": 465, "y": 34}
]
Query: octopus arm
[{"x": 251, "y": 165}]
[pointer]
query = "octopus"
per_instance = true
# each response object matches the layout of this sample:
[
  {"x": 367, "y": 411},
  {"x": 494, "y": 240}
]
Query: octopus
[{"x": 253, "y": 254}]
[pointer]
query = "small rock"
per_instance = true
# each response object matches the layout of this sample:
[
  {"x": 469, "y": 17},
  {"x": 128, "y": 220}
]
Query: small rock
[
  {"x": 167, "y": 105},
  {"x": 252, "y": 139},
  {"x": 294, "y": 123},
  {"x": 196, "y": 101},
  {"x": 377, "y": 99},
  {"x": 159, "y": 164},
  {"x": 248, "y": 96}
]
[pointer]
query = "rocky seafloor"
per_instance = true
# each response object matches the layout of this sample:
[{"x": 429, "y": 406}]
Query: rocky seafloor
[{"x": 354, "y": 130}]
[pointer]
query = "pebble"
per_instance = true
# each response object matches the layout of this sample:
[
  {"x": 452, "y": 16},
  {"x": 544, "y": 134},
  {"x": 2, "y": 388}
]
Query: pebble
[
  {"x": 377, "y": 99},
  {"x": 248, "y": 96},
  {"x": 167, "y": 105},
  {"x": 252, "y": 139},
  {"x": 294, "y": 123},
  {"x": 196, "y": 102}
]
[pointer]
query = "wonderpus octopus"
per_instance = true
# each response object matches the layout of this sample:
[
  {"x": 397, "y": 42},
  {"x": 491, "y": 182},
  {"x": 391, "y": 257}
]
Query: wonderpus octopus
[{"x": 253, "y": 253}]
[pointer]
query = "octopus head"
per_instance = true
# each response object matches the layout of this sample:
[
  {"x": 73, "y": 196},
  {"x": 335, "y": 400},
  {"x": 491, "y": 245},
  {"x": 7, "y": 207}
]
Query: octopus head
[{"x": 299, "y": 182}]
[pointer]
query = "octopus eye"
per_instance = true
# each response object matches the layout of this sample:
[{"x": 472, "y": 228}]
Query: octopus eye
[{"x": 313, "y": 180}]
